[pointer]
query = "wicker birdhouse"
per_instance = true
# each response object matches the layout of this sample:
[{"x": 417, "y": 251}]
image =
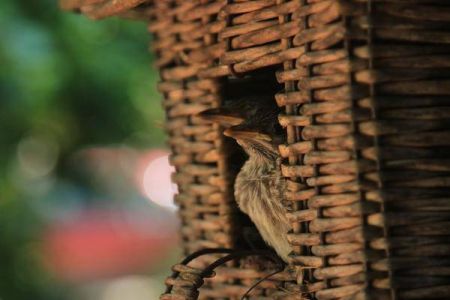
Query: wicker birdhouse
[{"x": 364, "y": 89}]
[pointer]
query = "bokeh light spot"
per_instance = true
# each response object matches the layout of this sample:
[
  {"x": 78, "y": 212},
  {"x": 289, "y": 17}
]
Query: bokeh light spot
[{"x": 158, "y": 186}]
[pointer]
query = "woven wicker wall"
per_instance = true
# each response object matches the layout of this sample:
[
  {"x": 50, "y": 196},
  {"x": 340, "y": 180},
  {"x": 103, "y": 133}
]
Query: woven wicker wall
[
  {"x": 182, "y": 32},
  {"x": 367, "y": 105}
]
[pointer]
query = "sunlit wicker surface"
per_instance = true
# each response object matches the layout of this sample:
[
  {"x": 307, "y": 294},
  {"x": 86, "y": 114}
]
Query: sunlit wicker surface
[{"x": 367, "y": 157}]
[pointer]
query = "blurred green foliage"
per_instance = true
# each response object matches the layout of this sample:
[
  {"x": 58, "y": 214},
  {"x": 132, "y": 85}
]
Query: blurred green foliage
[{"x": 72, "y": 82}]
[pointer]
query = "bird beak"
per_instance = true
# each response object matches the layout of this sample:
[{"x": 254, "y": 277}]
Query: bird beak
[
  {"x": 246, "y": 135},
  {"x": 221, "y": 116}
]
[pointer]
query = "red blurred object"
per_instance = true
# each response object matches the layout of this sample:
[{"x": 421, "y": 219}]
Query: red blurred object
[{"x": 104, "y": 244}]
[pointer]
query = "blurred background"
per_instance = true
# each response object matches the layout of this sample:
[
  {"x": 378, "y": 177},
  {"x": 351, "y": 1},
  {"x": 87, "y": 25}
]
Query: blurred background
[{"x": 85, "y": 197}]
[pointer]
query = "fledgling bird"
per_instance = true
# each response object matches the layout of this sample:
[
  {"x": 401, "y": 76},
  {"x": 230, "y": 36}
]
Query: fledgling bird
[
  {"x": 259, "y": 186},
  {"x": 235, "y": 111}
]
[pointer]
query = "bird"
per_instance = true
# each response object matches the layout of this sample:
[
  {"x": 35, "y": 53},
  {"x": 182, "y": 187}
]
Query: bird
[
  {"x": 259, "y": 185},
  {"x": 235, "y": 111}
]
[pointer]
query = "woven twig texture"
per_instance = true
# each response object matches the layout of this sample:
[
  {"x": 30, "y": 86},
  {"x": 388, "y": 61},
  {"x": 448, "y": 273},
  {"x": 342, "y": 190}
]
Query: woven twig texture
[{"x": 366, "y": 98}]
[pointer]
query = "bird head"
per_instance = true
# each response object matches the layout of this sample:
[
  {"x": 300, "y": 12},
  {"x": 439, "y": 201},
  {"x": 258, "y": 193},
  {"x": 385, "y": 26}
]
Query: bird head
[
  {"x": 259, "y": 135},
  {"x": 252, "y": 122},
  {"x": 235, "y": 111}
]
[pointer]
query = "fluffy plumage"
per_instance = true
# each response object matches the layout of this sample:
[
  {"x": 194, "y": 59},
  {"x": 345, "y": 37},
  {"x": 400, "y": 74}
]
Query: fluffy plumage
[{"x": 259, "y": 186}]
